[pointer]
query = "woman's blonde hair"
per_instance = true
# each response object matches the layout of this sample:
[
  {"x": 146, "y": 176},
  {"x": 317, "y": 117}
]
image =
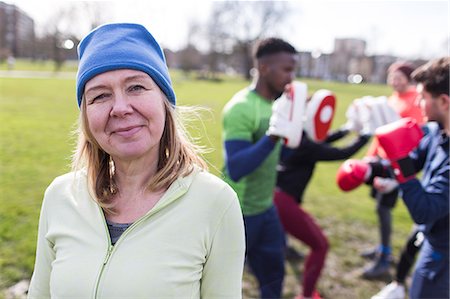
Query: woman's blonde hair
[{"x": 178, "y": 155}]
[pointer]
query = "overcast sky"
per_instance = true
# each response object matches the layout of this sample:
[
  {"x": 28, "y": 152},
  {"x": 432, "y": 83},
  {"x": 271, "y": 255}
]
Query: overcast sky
[{"x": 409, "y": 29}]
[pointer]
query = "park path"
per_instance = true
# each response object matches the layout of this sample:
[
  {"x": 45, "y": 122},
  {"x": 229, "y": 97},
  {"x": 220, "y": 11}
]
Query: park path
[{"x": 37, "y": 74}]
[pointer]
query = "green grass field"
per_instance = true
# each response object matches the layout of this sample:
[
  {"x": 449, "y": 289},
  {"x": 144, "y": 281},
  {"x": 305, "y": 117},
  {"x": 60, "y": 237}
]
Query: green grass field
[
  {"x": 37, "y": 117},
  {"x": 39, "y": 65}
]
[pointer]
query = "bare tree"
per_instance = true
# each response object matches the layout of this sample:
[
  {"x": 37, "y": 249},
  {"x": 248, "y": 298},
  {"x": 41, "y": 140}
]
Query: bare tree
[
  {"x": 190, "y": 57},
  {"x": 67, "y": 22},
  {"x": 53, "y": 34},
  {"x": 94, "y": 13},
  {"x": 236, "y": 25},
  {"x": 219, "y": 41}
]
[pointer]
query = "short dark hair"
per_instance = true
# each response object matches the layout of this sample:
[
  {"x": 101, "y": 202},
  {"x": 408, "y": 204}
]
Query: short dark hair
[
  {"x": 273, "y": 45},
  {"x": 434, "y": 75}
]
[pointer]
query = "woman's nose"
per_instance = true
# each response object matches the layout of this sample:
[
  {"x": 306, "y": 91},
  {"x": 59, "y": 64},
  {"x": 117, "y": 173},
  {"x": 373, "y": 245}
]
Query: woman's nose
[{"x": 121, "y": 106}]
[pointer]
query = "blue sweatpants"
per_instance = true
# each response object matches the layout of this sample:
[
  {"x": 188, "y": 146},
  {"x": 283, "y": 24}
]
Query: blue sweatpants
[
  {"x": 431, "y": 276},
  {"x": 265, "y": 251}
]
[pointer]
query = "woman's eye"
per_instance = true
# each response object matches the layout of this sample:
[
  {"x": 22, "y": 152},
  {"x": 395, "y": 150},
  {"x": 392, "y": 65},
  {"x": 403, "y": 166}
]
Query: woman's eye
[
  {"x": 99, "y": 97},
  {"x": 136, "y": 88}
]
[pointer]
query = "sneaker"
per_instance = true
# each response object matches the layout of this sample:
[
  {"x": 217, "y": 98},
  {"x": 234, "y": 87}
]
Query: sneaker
[
  {"x": 393, "y": 290},
  {"x": 315, "y": 295},
  {"x": 373, "y": 254},
  {"x": 293, "y": 255},
  {"x": 370, "y": 254},
  {"x": 379, "y": 269}
]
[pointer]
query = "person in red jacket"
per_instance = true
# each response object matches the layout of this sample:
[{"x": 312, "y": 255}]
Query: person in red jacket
[{"x": 403, "y": 101}]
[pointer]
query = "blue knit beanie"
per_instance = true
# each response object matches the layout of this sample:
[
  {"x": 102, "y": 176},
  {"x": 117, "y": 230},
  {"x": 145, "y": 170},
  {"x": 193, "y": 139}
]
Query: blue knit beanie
[{"x": 122, "y": 46}]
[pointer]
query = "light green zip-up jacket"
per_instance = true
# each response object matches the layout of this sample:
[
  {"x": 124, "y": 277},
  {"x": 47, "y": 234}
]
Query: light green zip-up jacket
[{"x": 190, "y": 245}]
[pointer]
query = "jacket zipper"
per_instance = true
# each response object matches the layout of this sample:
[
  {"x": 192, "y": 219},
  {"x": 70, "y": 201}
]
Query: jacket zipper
[
  {"x": 107, "y": 256},
  {"x": 112, "y": 248}
]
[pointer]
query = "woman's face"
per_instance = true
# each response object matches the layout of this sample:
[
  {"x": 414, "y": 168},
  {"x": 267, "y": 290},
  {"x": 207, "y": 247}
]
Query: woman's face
[
  {"x": 398, "y": 81},
  {"x": 126, "y": 114}
]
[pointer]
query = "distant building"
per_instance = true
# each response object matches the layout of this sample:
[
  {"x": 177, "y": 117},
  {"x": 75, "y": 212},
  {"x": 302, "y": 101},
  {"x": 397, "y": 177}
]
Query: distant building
[
  {"x": 363, "y": 66},
  {"x": 17, "y": 37},
  {"x": 347, "y": 52},
  {"x": 305, "y": 64},
  {"x": 347, "y": 60},
  {"x": 380, "y": 65},
  {"x": 314, "y": 65},
  {"x": 321, "y": 66},
  {"x": 350, "y": 46}
]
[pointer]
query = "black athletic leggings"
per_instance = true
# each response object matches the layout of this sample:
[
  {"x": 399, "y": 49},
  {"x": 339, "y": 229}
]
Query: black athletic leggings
[{"x": 385, "y": 204}]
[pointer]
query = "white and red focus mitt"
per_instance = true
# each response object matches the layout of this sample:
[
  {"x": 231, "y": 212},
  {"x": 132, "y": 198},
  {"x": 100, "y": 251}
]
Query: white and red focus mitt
[
  {"x": 288, "y": 111},
  {"x": 319, "y": 114}
]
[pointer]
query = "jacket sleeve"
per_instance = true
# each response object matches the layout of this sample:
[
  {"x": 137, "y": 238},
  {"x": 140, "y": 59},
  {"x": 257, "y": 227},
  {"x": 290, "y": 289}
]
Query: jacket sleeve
[
  {"x": 426, "y": 206},
  {"x": 336, "y": 135},
  {"x": 326, "y": 152},
  {"x": 45, "y": 255},
  {"x": 419, "y": 155},
  {"x": 429, "y": 202},
  {"x": 222, "y": 272}
]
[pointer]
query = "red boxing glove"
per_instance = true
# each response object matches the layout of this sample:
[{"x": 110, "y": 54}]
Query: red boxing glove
[
  {"x": 398, "y": 139},
  {"x": 352, "y": 173}
]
